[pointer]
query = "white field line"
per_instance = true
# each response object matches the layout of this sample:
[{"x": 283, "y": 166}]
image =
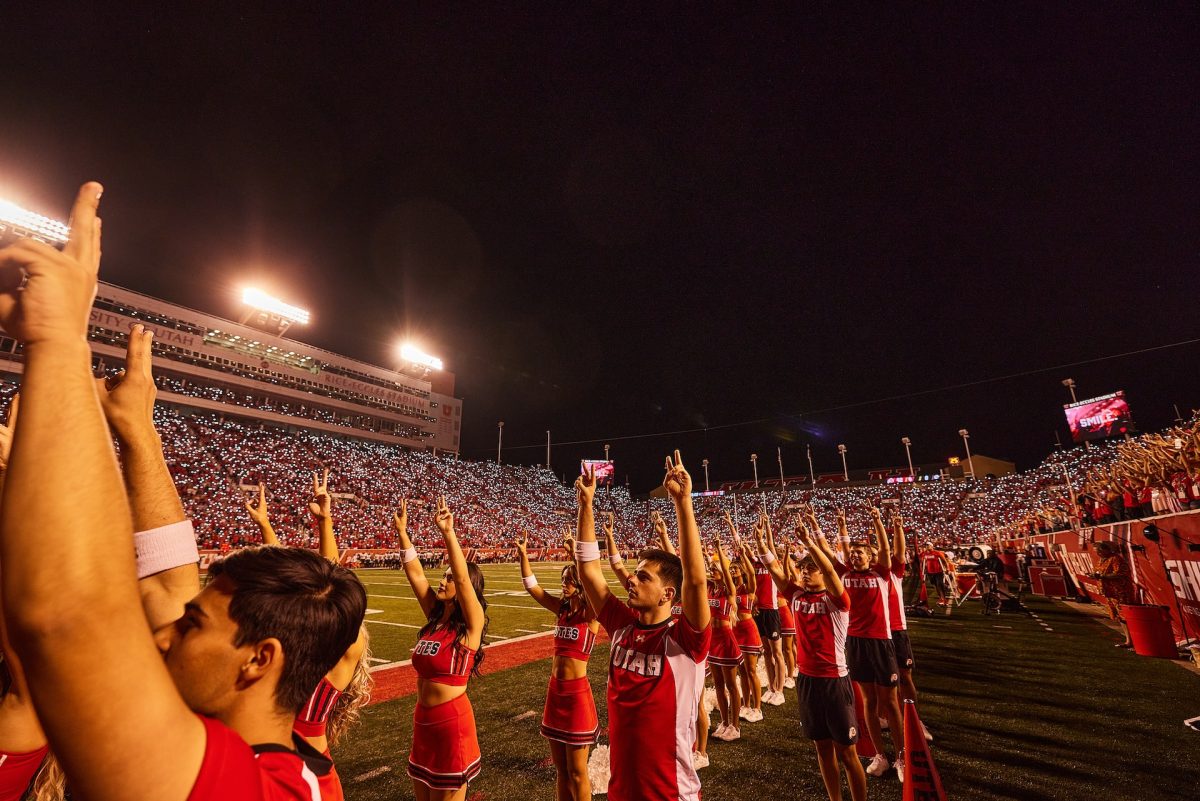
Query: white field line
[{"x": 390, "y": 623}]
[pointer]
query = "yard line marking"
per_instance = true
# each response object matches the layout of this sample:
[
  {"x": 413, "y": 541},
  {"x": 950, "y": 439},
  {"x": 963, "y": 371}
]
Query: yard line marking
[
  {"x": 393, "y": 597},
  {"x": 511, "y": 606},
  {"x": 547, "y": 625},
  {"x": 370, "y": 774},
  {"x": 377, "y": 659},
  {"x": 524, "y": 715},
  {"x": 527, "y": 631},
  {"x": 374, "y": 611},
  {"x": 390, "y": 623}
]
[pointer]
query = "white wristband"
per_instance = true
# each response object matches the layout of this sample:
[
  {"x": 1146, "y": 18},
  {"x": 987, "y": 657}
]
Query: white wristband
[
  {"x": 529, "y": 581},
  {"x": 766, "y": 557},
  {"x": 587, "y": 551},
  {"x": 408, "y": 555},
  {"x": 165, "y": 547},
  {"x": 616, "y": 559}
]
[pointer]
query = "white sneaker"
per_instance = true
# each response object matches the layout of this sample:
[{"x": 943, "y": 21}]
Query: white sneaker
[
  {"x": 796, "y": 673},
  {"x": 719, "y": 732},
  {"x": 732, "y": 734},
  {"x": 746, "y": 714},
  {"x": 774, "y": 699},
  {"x": 878, "y": 765},
  {"x": 757, "y": 715},
  {"x": 699, "y": 760},
  {"x": 789, "y": 683},
  {"x": 899, "y": 765},
  {"x": 925, "y": 731}
]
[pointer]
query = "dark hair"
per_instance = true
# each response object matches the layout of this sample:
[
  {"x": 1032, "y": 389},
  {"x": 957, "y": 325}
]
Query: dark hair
[
  {"x": 670, "y": 569},
  {"x": 311, "y": 605},
  {"x": 457, "y": 621},
  {"x": 577, "y": 607},
  {"x": 6, "y": 679}
]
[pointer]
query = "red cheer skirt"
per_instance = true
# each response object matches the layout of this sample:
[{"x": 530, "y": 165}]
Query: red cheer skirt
[
  {"x": 445, "y": 748},
  {"x": 570, "y": 713}
]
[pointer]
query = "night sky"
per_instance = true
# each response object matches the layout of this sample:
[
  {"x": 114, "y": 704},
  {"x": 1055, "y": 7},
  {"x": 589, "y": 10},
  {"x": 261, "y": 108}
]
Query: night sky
[{"x": 613, "y": 224}]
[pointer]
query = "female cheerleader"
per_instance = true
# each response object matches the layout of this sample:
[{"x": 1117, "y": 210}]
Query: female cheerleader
[
  {"x": 569, "y": 720},
  {"x": 724, "y": 656},
  {"x": 745, "y": 631},
  {"x": 445, "y": 748}
]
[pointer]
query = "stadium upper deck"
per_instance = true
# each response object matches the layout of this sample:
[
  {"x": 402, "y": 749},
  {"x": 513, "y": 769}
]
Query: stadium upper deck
[{"x": 210, "y": 363}]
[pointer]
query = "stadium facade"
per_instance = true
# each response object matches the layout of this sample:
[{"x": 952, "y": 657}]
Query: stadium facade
[{"x": 207, "y": 363}]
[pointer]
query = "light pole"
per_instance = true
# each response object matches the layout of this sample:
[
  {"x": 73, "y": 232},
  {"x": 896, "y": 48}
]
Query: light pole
[
  {"x": 845, "y": 470},
  {"x": 962, "y": 432},
  {"x": 499, "y": 440},
  {"x": 547, "y": 450},
  {"x": 779, "y": 457},
  {"x": 606, "y": 452},
  {"x": 754, "y": 461},
  {"x": 703, "y": 462},
  {"x": 1069, "y": 383},
  {"x": 907, "y": 443},
  {"x": 812, "y": 474}
]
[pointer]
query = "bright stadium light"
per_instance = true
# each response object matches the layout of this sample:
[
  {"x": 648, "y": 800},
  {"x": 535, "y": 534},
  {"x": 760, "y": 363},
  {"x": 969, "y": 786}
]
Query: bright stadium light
[
  {"x": 414, "y": 355},
  {"x": 257, "y": 299},
  {"x": 19, "y": 223}
]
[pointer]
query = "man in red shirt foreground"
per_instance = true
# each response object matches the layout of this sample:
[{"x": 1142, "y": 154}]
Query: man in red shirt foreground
[{"x": 119, "y": 704}]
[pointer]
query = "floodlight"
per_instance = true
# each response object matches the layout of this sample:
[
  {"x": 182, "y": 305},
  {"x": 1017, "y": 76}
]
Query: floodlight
[
  {"x": 263, "y": 302},
  {"x": 19, "y": 223},
  {"x": 411, "y": 353}
]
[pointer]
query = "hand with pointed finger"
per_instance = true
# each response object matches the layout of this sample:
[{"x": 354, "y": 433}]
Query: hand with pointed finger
[
  {"x": 400, "y": 519},
  {"x": 609, "y": 525},
  {"x": 46, "y": 295},
  {"x": 677, "y": 482},
  {"x": 443, "y": 518},
  {"x": 321, "y": 505},
  {"x": 660, "y": 525},
  {"x": 585, "y": 486},
  {"x": 569, "y": 543},
  {"x": 258, "y": 509},
  {"x": 521, "y": 541},
  {"x": 128, "y": 397}
]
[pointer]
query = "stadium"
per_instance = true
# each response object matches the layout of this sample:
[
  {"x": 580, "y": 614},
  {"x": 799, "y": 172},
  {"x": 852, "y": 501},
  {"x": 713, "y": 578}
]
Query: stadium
[{"x": 303, "y": 398}]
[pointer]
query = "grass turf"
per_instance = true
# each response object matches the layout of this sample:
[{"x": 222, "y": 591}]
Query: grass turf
[{"x": 1019, "y": 712}]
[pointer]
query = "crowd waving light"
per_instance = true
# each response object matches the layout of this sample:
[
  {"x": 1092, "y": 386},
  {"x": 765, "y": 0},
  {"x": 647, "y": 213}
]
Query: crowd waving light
[
  {"x": 263, "y": 302},
  {"x": 16, "y": 222},
  {"x": 411, "y": 353}
]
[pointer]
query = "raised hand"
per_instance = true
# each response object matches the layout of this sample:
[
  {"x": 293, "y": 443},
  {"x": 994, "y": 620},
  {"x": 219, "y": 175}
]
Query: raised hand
[
  {"x": 258, "y": 508},
  {"x": 47, "y": 295},
  {"x": 128, "y": 397},
  {"x": 520, "y": 543},
  {"x": 400, "y": 519},
  {"x": 585, "y": 486},
  {"x": 609, "y": 525},
  {"x": 569, "y": 542},
  {"x": 322, "y": 502},
  {"x": 677, "y": 481},
  {"x": 443, "y": 518}
]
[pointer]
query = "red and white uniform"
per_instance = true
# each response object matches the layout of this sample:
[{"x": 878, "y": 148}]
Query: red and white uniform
[
  {"x": 233, "y": 771},
  {"x": 934, "y": 561},
  {"x": 787, "y": 623},
  {"x": 17, "y": 771},
  {"x": 569, "y": 715},
  {"x": 822, "y": 621},
  {"x": 445, "y": 746},
  {"x": 438, "y": 657},
  {"x": 868, "y": 591},
  {"x": 314, "y": 715},
  {"x": 655, "y": 679},
  {"x": 766, "y": 594},
  {"x": 725, "y": 651},
  {"x": 745, "y": 631},
  {"x": 896, "y": 597}
]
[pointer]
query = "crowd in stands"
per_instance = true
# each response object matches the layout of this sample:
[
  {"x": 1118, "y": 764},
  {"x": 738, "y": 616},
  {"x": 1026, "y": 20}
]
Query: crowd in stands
[{"x": 217, "y": 460}]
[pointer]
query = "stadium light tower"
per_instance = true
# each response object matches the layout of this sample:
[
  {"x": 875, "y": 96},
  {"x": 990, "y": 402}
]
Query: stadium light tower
[
  {"x": 812, "y": 474},
  {"x": 1069, "y": 383},
  {"x": 18, "y": 223},
  {"x": 703, "y": 462},
  {"x": 414, "y": 355},
  {"x": 270, "y": 313},
  {"x": 606, "y": 452},
  {"x": 962, "y": 432},
  {"x": 907, "y": 443},
  {"x": 754, "y": 462},
  {"x": 499, "y": 440},
  {"x": 779, "y": 457},
  {"x": 845, "y": 469}
]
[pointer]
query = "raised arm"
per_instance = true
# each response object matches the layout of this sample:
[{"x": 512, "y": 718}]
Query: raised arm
[
  {"x": 65, "y": 522},
  {"x": 833, "y": 582},
  {"x": 412, "y": 565},
  {"x": 899, "y": 539},
  {"x": 843, "y": 537},
  {"x": 678, "y": 484},
  {"x": 587, "y": 551},
  {"x": 883, "y": 557},
  {"x": 726, "y": 573},
  {"x": 464, "y": 590},
  {"x": 258, "y": 513},
  {"x": 321, "y": 508},
  {"x": 530, "y": 580},
  {"x": 614, "y": 556},
  {"x": 660, "y": 531},
  {"x": 767, "y": 556},
  {"x": 128, "y": 403}
]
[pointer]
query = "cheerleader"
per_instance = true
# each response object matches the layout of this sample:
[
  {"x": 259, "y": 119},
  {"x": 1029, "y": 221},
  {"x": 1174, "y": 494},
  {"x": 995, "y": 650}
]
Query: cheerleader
[
  {"x": 445, "y": 746},
  {"x": 745, "y": 631},
  {"x": 724, "y": 657},
  {"x": 787, "y": 625},
  {"x": 569, "y": 720}
]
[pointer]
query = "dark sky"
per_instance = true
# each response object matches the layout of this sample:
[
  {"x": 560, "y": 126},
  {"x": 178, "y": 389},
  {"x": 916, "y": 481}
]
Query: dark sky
[{"x": 611, "y": 224}]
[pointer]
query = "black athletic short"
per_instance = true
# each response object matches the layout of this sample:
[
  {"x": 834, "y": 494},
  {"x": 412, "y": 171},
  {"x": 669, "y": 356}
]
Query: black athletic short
[
  {"x": 872, "y": 661},
  {"x": 827, "y": 709},
  {"x": 767, "y": 621},
  {"x": 903, "y": 648}
]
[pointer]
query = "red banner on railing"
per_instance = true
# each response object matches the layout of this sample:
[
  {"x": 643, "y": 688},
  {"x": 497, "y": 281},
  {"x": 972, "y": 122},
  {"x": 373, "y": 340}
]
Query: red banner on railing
[{"x": 1166, "y": 564}]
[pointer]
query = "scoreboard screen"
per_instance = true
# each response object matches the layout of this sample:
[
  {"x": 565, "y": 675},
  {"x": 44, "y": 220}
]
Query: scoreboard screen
[
  {"x": 604, "y": 471},
  {"x": 1099, "y": 418}
]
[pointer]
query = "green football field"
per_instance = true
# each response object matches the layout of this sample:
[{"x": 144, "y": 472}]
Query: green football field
[{"x": 1021, "y": 708}]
